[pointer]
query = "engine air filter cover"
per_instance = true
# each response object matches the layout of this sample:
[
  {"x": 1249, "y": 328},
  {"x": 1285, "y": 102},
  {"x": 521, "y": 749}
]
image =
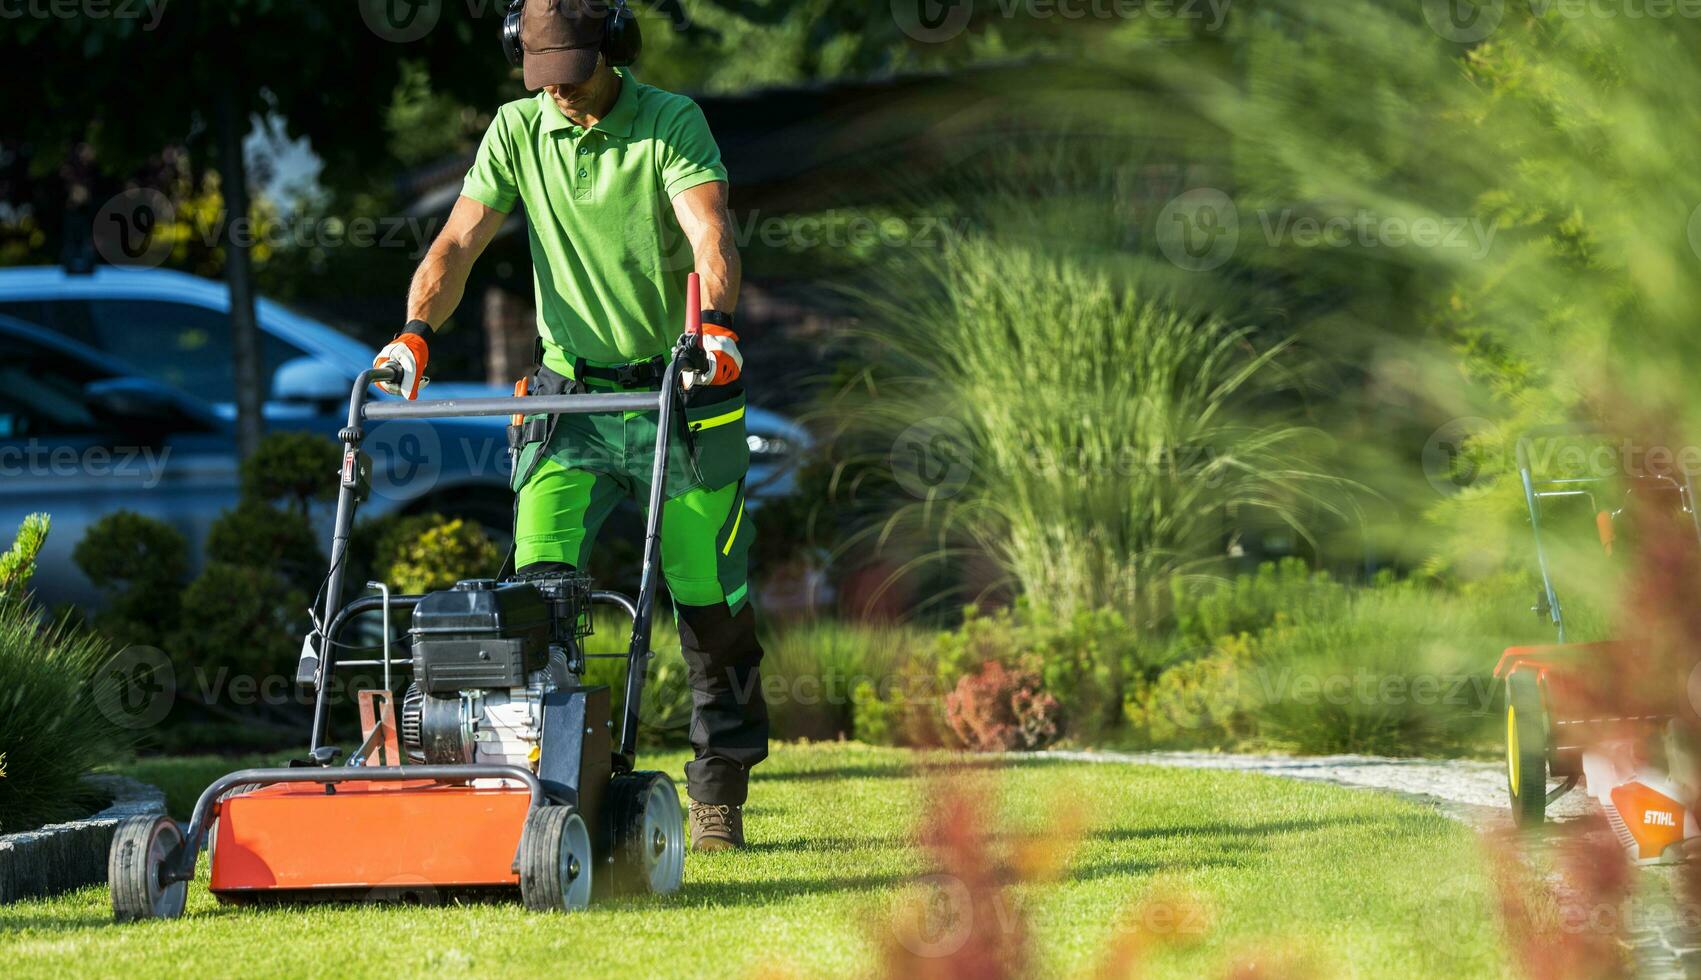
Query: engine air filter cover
[{"x": 479, "y": 635}]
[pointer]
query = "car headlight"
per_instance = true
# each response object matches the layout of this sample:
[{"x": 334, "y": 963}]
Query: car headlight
[{"x": 767, "y": 445}]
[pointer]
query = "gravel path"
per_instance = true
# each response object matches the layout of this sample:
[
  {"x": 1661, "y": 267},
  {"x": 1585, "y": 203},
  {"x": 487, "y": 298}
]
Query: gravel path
[{"x": 1662, "y": 930}]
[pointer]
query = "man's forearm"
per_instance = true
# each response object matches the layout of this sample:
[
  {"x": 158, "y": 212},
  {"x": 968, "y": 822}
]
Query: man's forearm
[
  {"x": 722, "y": 272},
  {"x": 440, "y": 282}
]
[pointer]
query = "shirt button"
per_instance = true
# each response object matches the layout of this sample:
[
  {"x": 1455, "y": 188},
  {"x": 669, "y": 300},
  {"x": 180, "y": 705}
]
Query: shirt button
[
  {"x": 584, "y": 151},
  {"x": 583, "y": 173}
]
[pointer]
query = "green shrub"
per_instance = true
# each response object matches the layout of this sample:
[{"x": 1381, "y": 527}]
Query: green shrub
[
  {"x": 52, "y": 729},
  {"x": 247, "y": 621},
  {"x": 1397, "y": 668},
  {"x": 295, "y": 468},
  {"x": 139, "y": 564},
  {"x": 256, "y": 534},
  {"x": 1288, "y": 591},
  {"x": 1079, "y": 661},
  {"x": 811, "y": 672},
  {"x": 17, "y": 563},
  {"x": 429, "y": 552},
  {"x": 1405, "y": 671},
  {"x": 1201, "y": 703}
]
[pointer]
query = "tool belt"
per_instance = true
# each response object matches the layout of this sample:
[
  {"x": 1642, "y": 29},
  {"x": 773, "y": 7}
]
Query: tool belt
[{"x": 526, "y": 430}]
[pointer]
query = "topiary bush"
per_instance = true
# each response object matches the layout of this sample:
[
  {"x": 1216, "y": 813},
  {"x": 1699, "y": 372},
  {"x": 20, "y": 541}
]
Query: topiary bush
[
  {"x": 256, "y": 534},
  {"x": 295, "y": 468},
  {"x": 140, "y": 564},
  {"x": 243, "y": 620}
]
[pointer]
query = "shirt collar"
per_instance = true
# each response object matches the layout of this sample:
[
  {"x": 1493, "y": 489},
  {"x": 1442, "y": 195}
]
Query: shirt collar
[{"x": 619, "y": 120}]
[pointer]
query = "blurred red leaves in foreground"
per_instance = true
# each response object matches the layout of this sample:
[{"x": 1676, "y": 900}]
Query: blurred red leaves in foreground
[{"x": 972, "y": 920}]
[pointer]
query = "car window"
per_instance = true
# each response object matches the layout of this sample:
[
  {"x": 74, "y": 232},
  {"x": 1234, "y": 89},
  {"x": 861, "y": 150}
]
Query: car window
[
  {"x": 184, "y": 346},
  {"x": 41, "y": 392},
  {"x": 187, "y": 347},
  {"x": 67, "y": 316}
]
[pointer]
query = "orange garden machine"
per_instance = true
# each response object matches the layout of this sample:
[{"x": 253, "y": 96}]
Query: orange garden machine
[
  {"x": 494, "y": 771},
  {"x": 1574, "y": 712}
]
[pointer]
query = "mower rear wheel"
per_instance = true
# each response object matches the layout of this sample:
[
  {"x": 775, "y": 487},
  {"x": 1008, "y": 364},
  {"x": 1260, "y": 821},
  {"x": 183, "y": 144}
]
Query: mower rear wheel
[
  {"x": 1526, "y": 748},
  {"x": 649, "y": 833},
  {"x": 555, "y": 860},
  {"x": 140, "y": 848}
]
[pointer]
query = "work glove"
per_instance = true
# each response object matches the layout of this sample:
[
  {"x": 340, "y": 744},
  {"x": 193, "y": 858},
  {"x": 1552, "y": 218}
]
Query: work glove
[
  {"x": 720, "y": 344},
  {"x": 410, "y": 351}
]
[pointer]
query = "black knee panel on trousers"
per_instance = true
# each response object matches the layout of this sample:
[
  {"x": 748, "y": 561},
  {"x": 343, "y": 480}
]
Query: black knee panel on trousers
[{"x": 729, "y": 718}]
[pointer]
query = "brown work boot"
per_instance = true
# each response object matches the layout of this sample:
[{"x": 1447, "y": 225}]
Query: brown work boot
[{"x": 716, "y": 828}]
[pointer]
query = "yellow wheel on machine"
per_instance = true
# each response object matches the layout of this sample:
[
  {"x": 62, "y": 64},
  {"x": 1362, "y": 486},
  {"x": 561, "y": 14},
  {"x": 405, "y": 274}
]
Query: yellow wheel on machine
[{"x": 1526, "y": 748}]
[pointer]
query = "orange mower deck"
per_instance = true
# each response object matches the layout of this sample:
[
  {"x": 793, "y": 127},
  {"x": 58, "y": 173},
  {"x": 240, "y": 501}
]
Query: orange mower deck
[{"x": 306, "y": 837}]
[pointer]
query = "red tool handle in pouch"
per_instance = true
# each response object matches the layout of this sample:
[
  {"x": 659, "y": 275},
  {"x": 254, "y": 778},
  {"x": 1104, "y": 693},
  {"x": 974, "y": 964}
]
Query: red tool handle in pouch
[{"x": 694, "y": 306}]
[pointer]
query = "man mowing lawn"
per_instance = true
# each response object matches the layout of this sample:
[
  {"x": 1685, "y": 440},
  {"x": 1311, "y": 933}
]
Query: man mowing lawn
[{"x": 617, "y": 178}]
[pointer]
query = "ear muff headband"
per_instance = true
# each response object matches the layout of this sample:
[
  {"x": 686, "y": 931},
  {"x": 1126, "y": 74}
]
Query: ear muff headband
[{"x": 622, "y": 41}]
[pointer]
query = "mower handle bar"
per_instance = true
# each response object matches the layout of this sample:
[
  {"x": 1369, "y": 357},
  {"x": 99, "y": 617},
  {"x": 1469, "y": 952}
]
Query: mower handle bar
[
  {"x": 533, "y": 405},
  {"x": 1532, "y": 496}
]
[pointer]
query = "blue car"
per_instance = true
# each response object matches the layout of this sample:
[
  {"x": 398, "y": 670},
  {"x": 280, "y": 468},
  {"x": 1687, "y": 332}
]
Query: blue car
[
  {"x": 83, "y": 435},
  {"x": 115, "y": 394},
  {"x": 175, "y": 329}
]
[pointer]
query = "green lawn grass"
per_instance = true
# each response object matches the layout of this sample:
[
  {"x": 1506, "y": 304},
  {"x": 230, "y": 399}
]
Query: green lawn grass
[{"x": 1341, "y": 881}]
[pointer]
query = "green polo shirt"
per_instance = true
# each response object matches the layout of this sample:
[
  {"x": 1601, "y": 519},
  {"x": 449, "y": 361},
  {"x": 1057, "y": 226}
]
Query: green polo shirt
[{"x": 609, "y": 261}]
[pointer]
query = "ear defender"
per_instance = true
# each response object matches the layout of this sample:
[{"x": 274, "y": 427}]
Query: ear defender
[
  {"x": 511, "y": 34},
  {"x": 622, "y": 41}
]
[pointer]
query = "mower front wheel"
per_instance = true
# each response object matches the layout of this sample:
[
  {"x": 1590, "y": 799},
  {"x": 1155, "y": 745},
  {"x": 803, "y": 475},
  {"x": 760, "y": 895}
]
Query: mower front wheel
[
  {"x": 141, "y": 846},
  {"x": 555, "y": 860},
  {"x": 1526, "y": 748},
  {"x": 649, "y": 833}
]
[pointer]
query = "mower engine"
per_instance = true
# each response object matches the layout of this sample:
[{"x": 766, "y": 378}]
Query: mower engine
[{"x": 486, "y": 655}]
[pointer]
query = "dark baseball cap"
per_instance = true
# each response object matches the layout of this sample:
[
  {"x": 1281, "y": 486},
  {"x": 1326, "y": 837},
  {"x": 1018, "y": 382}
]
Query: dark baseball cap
[{"x": 561, "y": 39}]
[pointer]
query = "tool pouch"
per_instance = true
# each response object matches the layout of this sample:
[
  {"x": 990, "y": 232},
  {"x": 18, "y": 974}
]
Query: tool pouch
[
  {"x": 718, "y": 448},
  {"x": 529, "y": 435}
]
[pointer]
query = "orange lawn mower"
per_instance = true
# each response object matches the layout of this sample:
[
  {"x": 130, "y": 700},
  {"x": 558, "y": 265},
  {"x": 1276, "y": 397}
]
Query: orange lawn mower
[
  {"x": 496, "y": 774},
  {"x": 1574, "y": 713}
]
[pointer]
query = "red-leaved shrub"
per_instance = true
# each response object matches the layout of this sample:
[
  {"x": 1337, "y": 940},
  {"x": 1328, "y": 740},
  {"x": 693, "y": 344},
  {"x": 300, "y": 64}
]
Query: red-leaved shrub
[{"x": 997, "y": 709}]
